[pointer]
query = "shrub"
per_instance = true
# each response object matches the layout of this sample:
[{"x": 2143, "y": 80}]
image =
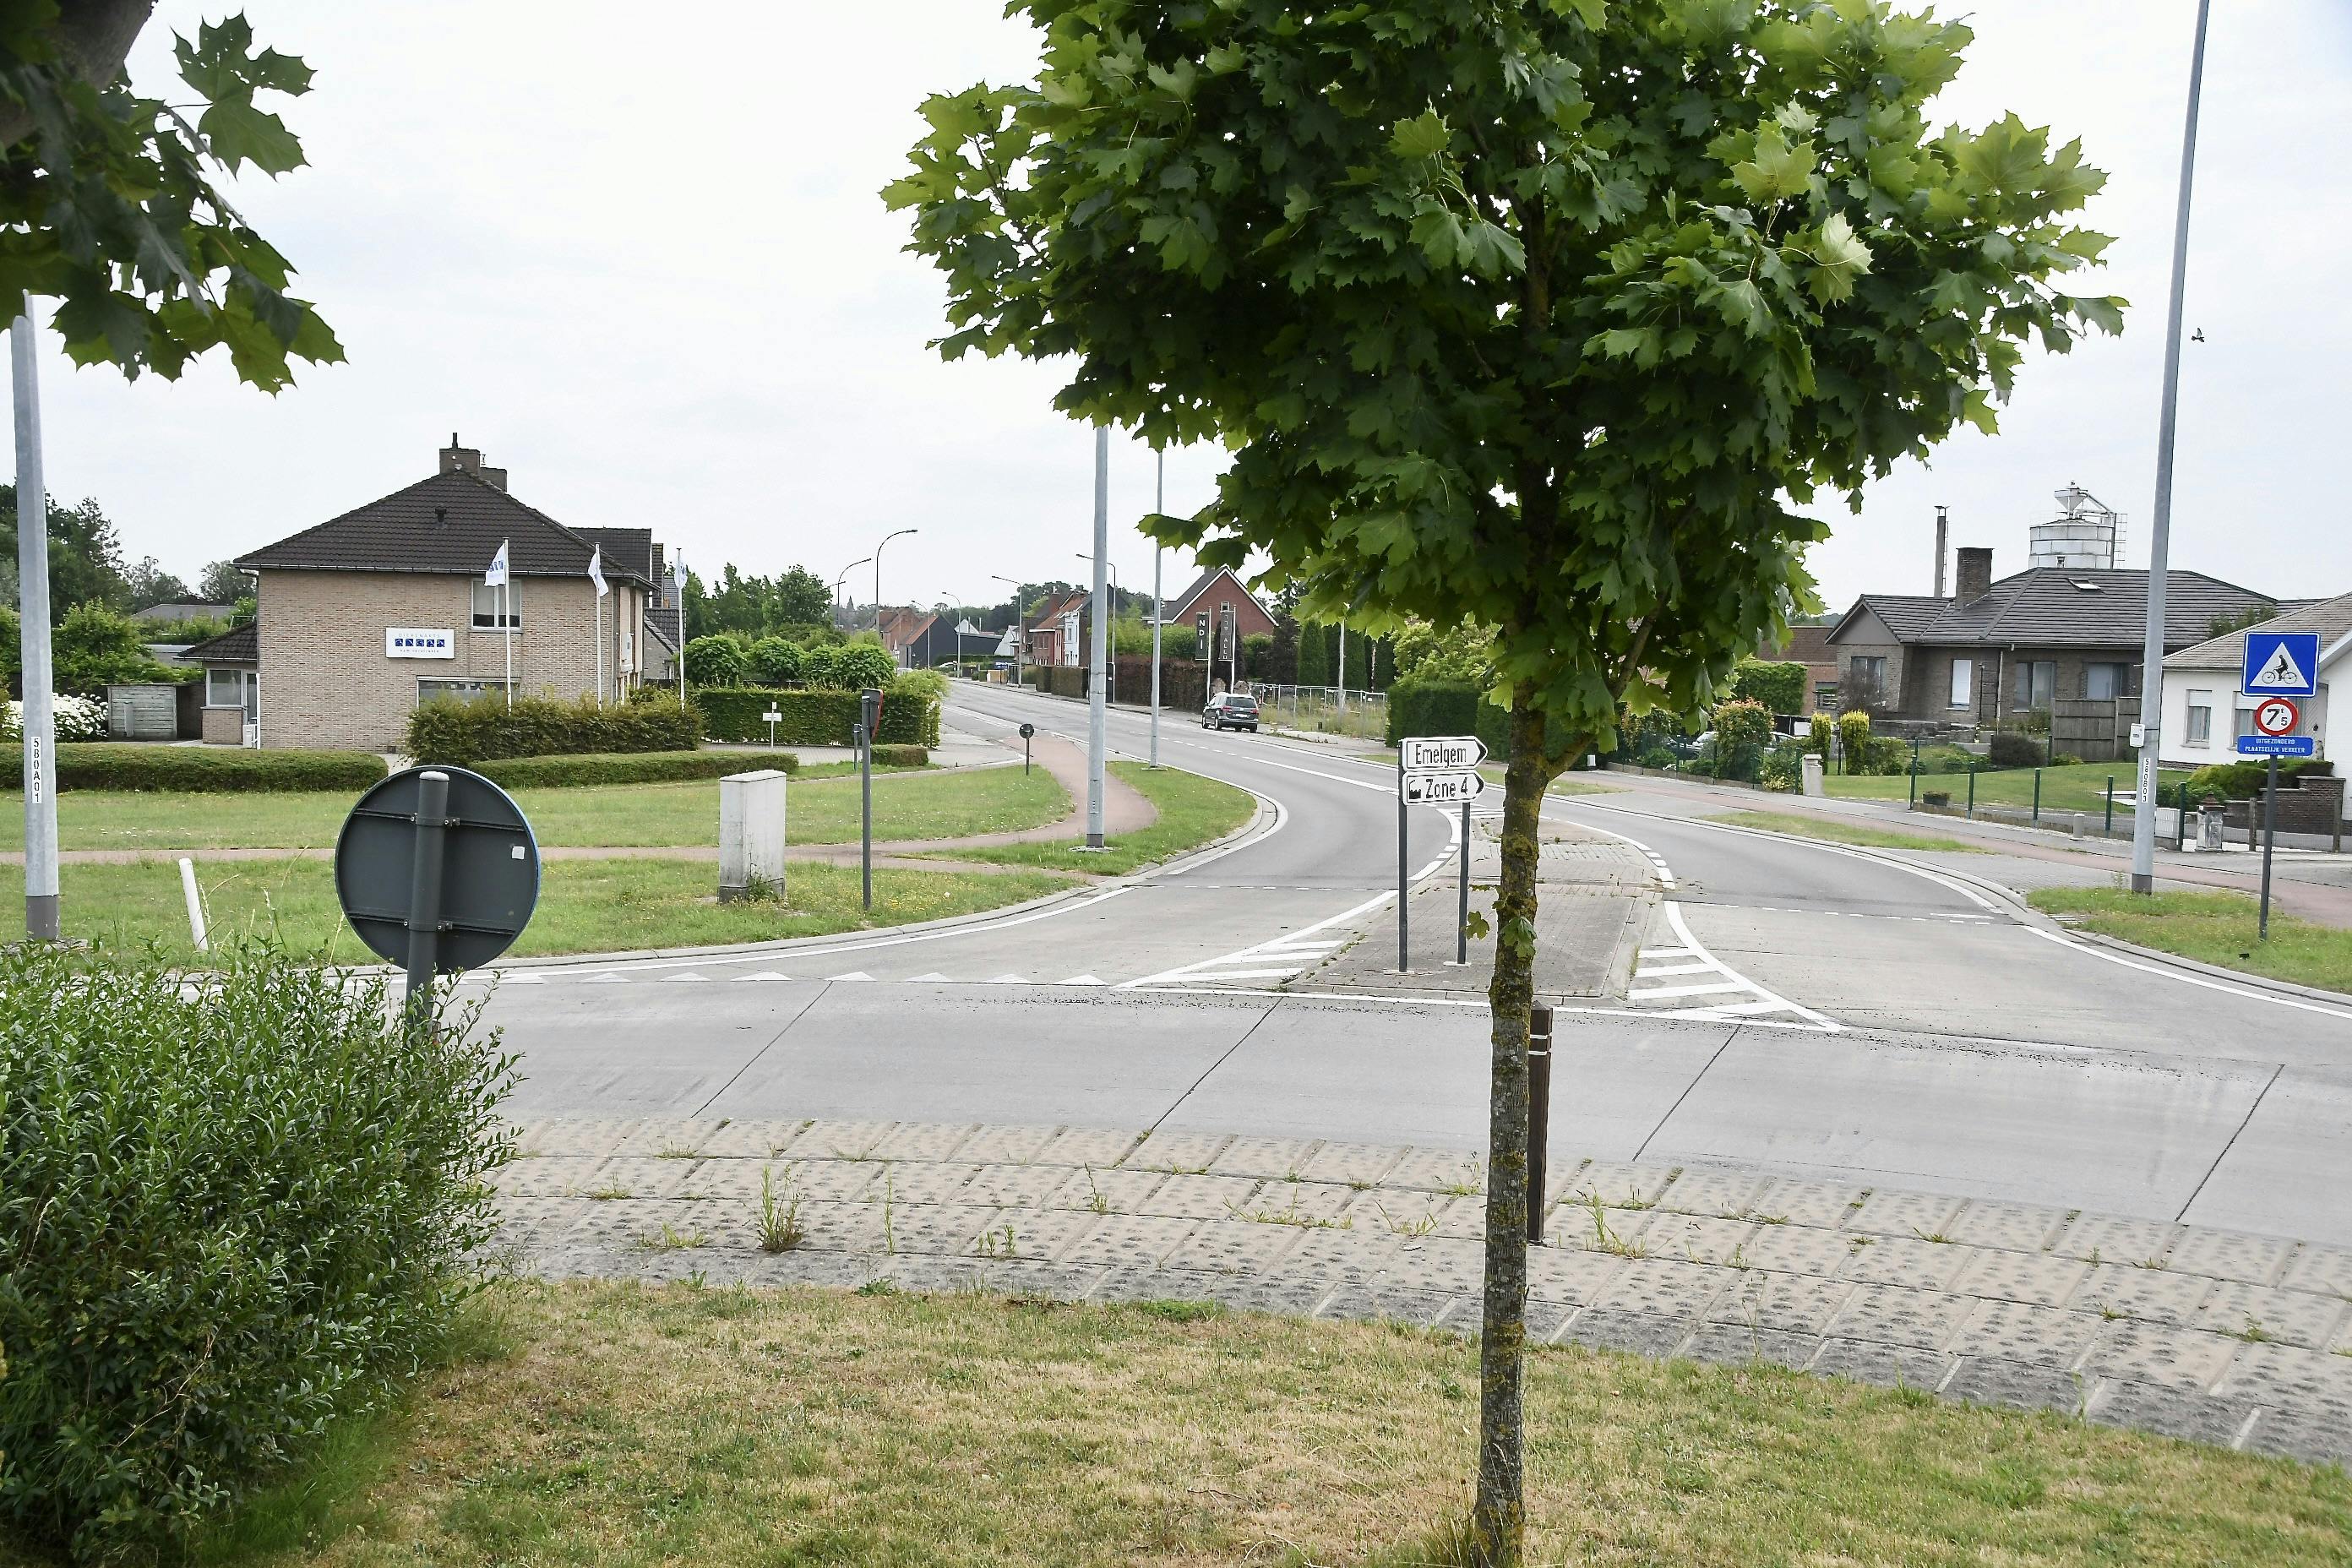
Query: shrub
[
  {"x": 1779, "y": 687},
  {"x": 1742, "y": 730},
  {"x": 1430, "y": 707},
  {"x": 821, "y": 666},
  {"x": 1657, "y": 757},
  {"x": 2009, "y": 749},
  {"x": 718, "y": 660},
  {"x": 1821, "y": 734},
  {"x": 129, "y": 765},
  {"x": 1853, "y": 737},
  {"x": 910, "y": 714},
  {"x": 631, "y": 767},
  {"x": 775, "y": 662},
  {"x": 95, "y": 647},
  {"x": 1782, "y": 770},
  {"x": 465, "y": 733},
  {"x": 902, "y": 756},
  {"x": 2243, "y": 781},
  {"x": 1886, "y": 754},
  {"x": 1947, "y": 760},
  {"x": 858, "y": 665},
  {"x": 74, "y": 719},
  {"x": 229, "y": 1218}
]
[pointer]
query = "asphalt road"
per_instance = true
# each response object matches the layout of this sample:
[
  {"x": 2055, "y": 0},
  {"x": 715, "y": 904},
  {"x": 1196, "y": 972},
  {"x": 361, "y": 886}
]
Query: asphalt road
[{"x": 1806, "y": 1010}]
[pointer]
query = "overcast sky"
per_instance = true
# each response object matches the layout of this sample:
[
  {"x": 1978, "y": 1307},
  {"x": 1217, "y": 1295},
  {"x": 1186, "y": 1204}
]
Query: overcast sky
[{"x": 643, "y": 267}]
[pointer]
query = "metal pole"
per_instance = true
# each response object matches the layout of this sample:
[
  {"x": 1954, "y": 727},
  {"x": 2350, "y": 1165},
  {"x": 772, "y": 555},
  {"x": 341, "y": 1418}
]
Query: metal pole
[
  {"x": 677, "y": 569},
  {"x": 1972, "y": 792},
  {"x": 2151, "y": 703},
  {"x": 1342, "y": 705},
  {"x": 866, "y": 826},
  {"x": 1159, "y": 505},
  {"x": 1099, "y": 656},
  {"x": 425, "y": 894},
  {"x": 1404, "y": 948},
  {"x": 1462, "y": 922},
  {"x": 1914, "y": 772},
  {"x": 505, "y": 619},
  {"x": 2270, "y": 837},
  {"x": 2037, "y": 795},
  {"x": 1539, "y": 1114},
  {"x": 2110, "y": 828},
  {"x": 40, "y": 722}
]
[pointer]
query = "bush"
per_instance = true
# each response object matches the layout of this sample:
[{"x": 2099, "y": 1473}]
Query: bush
[
  {"x": 1821, "y": 734},
  {"x": 1778, "y": 688},
  {"x": 910, "y": 713},
  {"x": 719, "y": 661},
  {"x": 129, "y": 765},
  {"x": 1884, "y": 754},
  {"x": 1431, "y": 707},
  {"x": 230, "y": 1218},
  {"x": 95, "y": 647},
  {"x": 858, "y": 665},
  {"x": 1782, "y": 769},
  {"x": 631, "y": 767},
  {"x": 1657, "y": 757},
  {"x": 775, "y": 662},
  {"x": 73, "y": 717},
  {"x": 481, "y": 730},
  {"x": 2009, "y": 749},
  {"x": 1742, "y": 730},
  {"x": 1853, "y": 737},
  {"x": 1947, "y": 760},
  {"x": 902, "y": 756},
  {"x": 1063, "y": 680},
  {"x": 2243, "y": 781}
]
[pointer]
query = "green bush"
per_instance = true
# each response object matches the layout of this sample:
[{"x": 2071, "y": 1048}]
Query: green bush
[
  {"x": 902, "y": 756},
  {"x": 717, "y": 660},
  {"x": 910, "y": 713},
  {"x": 2243, "y": 781},
  {"x": 1853, "y": 737},
  {"x": 230, "y": 1216},
  {"x": 1947, "y": 760},
  {"x": 1885, "y": 755},
  {"x": 858, "y": 665},
  {"x": 1778, "y": 688},
  {"x": 1430, "y": 707},
  {"x": 101, "y": 764},
  {"x": 1742, "y": 731},
  {"x": 1820, "y": 733},
  {"x": 631, "y": 767},
  {"x": 775, "y": 662},
  {"x": 485, "y": 729},
  {"x": 1064, "y": 679},
  {"x": 94, "y": 648},
  {"x": 1782, "y": 770},
  {"x": 2009, "y": 749}
]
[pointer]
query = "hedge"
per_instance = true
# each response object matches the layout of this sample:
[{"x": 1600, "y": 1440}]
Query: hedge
[
  {"x": 2007, "y": 748},
  {"x": 1779, "y": 685},
  {"x": 902, "y": 756},
  {"x": 233, "y": 1217},
  {"x": 2244, "y": 781},
  {"x": 485, "y": 729},
  {"x": 910, "y": 714},
  {"x": 1447, "y": 708},
  {"x": 129, "y": 764},
  {"x": 631, "y": 767}
]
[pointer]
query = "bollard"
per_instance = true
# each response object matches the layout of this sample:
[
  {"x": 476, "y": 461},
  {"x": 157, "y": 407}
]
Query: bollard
[
  {"x": 2076, "y": 829},
  {"x": 195, "y": 904},
  {"x": 751, "y": 834},
  {"x": 2109, "y": 830},
  {"x": 1539, "y": 1114},
  {"x": 2037, "y": 798}
]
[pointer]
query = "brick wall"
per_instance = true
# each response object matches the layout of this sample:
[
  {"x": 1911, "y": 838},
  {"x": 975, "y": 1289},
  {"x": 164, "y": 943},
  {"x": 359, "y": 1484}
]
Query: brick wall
[{"x": 326, "y": 680}]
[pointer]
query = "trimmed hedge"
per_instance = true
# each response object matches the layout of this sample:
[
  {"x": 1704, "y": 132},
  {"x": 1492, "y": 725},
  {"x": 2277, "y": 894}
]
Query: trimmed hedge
[
  {"x": 1447, "y": 708},
  {"x": 910, "y": 715},
  {"x": 2007, "y": 748},
  {"x": 485, "y": 729},
  {"x": 232, "y": 1216},
  {"x": 902, "y": 756},
  {"x": 130, "y": 764},
  {"x": 631, "y": 767},
  {"x": 2244, "y": 781},
  {"x": 1779, "y": 685}
]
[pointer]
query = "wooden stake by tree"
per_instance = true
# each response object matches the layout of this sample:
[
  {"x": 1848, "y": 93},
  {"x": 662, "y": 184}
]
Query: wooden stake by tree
[{"x": 1546, "y": 317}]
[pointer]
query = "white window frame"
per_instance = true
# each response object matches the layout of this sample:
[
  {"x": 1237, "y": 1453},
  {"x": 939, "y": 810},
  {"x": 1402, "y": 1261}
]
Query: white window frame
[
  {"x": 1964, "y": 685},
  {"x": 2200, "y": 719},
  {"x": 213, "y": 677},
  {"x": 486, "y": 615}
]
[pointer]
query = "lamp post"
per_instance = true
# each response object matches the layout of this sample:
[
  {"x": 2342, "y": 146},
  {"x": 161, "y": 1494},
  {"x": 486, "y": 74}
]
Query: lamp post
[
  {"x": 1098, "y": 740},
  {"x": 1159, "y": 505},
  {"x": 844, "y": 577},
  {"x": 877, "y": 576},
  {"x": 1020, "y": 624},
  {"x": 2151, "y": 682},
  {"x": 1111, "y": 678}
]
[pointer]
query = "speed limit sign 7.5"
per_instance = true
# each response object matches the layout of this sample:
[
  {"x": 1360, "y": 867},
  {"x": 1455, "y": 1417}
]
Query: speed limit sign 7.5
[{"x": 2275, "y": 716}]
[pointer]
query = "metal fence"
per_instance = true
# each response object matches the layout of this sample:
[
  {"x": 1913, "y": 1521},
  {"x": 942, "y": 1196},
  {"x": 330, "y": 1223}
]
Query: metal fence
[{"x": 1317, "y": 710}]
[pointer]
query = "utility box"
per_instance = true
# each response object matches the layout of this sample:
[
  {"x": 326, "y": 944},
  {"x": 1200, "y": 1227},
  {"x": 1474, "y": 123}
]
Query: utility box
[
  {"x": 751, "y": 834},
  {"x": 1809, "y": 765}
]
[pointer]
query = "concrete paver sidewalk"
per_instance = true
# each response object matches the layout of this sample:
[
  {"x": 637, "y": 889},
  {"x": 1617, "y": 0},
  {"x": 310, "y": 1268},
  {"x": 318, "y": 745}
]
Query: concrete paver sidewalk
[{"x": 2240, "y": 1340}]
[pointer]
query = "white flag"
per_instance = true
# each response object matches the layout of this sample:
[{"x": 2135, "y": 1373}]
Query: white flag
[
  {"x": 496, "y": 577},
  {"x": 597, "y": 571}
]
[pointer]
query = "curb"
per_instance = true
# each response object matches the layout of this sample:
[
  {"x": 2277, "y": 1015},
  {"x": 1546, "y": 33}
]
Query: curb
[{"x": 2214, "y": 970}]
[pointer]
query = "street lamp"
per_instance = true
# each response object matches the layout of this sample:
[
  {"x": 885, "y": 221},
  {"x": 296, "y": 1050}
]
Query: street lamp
[
  {"x": 1110, "y": 668},
  {"x": 877, "y": 576},
  {"x": 1020, "y": 624},
  {"x": 844, "y": 574}
]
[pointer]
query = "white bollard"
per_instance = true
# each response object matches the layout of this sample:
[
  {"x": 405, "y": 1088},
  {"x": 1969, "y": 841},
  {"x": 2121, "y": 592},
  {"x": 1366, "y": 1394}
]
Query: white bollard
[
  {"x": 1809, "y": 765},
  {"x": 195, "y": 904},
  {"x": 751, "y": 834}
]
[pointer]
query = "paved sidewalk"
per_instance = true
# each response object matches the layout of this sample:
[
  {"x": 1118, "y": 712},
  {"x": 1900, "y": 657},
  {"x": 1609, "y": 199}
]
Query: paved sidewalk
[{"x": 2238, "y": 1340}]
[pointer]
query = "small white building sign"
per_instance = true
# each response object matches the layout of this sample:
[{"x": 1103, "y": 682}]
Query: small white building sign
[{"x": 420, "y": 642}]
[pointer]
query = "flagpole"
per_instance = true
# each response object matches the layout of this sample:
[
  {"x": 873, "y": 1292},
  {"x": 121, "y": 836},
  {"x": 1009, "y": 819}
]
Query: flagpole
[{"x": 506, "y": 616}]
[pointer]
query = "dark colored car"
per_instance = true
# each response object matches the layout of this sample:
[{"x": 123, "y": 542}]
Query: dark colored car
[{"x": 1231, "y": 711}]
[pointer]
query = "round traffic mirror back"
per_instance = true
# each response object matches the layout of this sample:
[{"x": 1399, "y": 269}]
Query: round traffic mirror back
[
  {"x": 488, "y": 881},
  {"x": 1027, "y": 731}
]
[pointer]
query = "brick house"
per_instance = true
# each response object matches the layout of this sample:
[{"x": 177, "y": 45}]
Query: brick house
[
  {"x": 2061, "y": 641},
  {"x": 1222, "y": 611},
  {"x": 1809, "y": 646},
  {"x": 366, "y": 614},
  {"x": 1057, "y": 632}
]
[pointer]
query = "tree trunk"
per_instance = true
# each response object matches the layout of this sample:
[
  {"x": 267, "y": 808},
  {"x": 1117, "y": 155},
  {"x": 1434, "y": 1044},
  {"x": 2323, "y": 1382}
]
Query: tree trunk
[
  {"x": 92, "y": 37},
  {"x": 1498, "y": 1518}
]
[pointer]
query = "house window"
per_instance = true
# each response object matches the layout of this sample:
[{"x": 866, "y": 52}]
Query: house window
[
  {"x": 2103, "y": 682},
  {"x": 2201, "y": 718},
  {"x": 231, "y": 688},
  {"x": 1868, "y": 676},
  {"x": 1964, "y": 681},
  {"x": 457, "y": 690},
  {"x": 1825, "y": 695},
  {"x": 488, "y": 607},
  {"x": 2037, "y": 684}
]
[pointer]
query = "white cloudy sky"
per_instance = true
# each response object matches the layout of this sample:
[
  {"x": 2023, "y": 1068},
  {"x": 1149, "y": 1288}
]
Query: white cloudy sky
[{"x": 643, "y": 267}]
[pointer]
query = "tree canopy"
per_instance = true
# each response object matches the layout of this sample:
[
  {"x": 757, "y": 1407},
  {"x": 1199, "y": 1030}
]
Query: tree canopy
[
  {"x": 86, "y": 564},
  {"x": 107, "y": 201},
  {"x": 756, "y": 606}
]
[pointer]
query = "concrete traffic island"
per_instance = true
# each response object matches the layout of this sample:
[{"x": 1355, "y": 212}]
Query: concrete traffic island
[{"x": 2221, "y": 1337}]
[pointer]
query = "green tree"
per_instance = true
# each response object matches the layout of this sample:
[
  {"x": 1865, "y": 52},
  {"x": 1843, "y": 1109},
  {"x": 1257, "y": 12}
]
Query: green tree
[
  {"x": 85, "y": 554},
  {"x": 97, "y": 645},
  {"x": 802, "y": 596},
  {"x": 107, "y": 196},
  {"x": 1462, "y": 652},
  {"x": 716, "y": 661},
  {"x": 145, "y": 582},
  {"x": 1552, "y": 318},
  {"x": 2239, "y": 620},
  {"x": 222, "y": 583},
  {"x": 1779, "y": 685}
]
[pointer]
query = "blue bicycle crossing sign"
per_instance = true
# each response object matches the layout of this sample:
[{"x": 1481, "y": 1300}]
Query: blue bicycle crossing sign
[{"x": 2281, "y": 664}]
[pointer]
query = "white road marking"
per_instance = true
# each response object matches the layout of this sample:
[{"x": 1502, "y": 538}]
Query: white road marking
[
  {"x": 1692, "y": 957},
  {"x": 853, "y": 974},
  {"x": 2197, "y": 980},
  {"x": 1200, "y": 970},
  {"x": 1007, "y": 980},
  {"x": 934, "y": 977},
  {"x": 766, "y": 974},
  {"x": 1080, "y": 980}
]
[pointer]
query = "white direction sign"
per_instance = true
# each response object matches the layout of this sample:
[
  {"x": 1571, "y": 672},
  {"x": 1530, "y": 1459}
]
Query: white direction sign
[
  {"x": 1439, "y": 789},
  {"x": 1441, "y": 753}
]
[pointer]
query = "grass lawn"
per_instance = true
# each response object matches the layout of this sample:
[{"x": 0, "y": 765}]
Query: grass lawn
[
  {"x": 584, "y": 906},
  {"x": 2082, "y": 787},
  {"x": 1838, "y": 831},
  {"x": 1193, "y": 811},
  {"x": 2213, "y": 927},
  {"x": 633, "y": 1427},
  {"x": 822, "y": 807}
]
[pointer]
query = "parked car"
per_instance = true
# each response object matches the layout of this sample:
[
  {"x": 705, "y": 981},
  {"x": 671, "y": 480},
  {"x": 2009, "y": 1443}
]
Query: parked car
[{"x": 1231, "y": 711}]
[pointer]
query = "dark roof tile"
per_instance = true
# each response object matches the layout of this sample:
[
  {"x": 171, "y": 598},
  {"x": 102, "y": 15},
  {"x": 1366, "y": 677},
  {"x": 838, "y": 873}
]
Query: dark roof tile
[{"x": 453, "y": 523}]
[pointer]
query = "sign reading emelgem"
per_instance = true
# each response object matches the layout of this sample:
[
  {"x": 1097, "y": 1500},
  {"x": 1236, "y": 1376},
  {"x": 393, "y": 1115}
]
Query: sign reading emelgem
[{"x": 419, "y": 642}]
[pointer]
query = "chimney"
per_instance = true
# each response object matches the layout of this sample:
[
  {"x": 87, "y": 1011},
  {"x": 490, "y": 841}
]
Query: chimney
[
  {"x": 468, "y": 459},
  {"x": 1943, "y": 527},
  {"x": 1975, "y": 577}
]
